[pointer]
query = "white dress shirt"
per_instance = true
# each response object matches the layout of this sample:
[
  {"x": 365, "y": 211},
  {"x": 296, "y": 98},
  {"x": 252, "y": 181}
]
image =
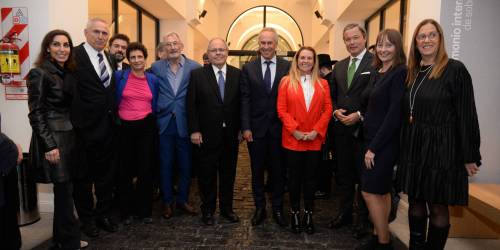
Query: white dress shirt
[
  {"x": 359, "y": 57},
  {"x": 272, "y": 67},
  {"x": 94, "y": 59},
  {"x": 216, "y": 71},
  {"x": 308, "y": 89}
]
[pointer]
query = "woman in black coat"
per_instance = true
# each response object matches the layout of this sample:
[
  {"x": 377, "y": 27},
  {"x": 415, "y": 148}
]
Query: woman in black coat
[
  {"x": 52, "y": 147},
  {"x": 381, "y": 125}
]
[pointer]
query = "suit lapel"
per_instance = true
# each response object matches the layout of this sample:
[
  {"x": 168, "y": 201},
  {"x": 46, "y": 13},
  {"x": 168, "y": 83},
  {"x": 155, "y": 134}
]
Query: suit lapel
[
  {"x": 86, "y": 60},
  {"x": 186, "y": 70},
  {"x": 164, "y": 68},
  {"x": 212, "y": 80},
  {"x": 280, "y": 71},
  {"x": 342, "y": 67},
  {"x": 230, "y": 84},
  {"x": 362, "y": 65}
]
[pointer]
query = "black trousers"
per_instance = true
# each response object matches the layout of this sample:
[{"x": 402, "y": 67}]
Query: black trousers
[
  {"x": 10, "y": 236},
  {"x": 302, "y": 169},
  {"x": 348, "y": 156},
  {"x": 65, "y": 228},
  {"x": 99, "y": 176},
  {"x": 136, "y": 158},
  {"x": 264, "y": 152},
  {"x": 218, "y": 162}
]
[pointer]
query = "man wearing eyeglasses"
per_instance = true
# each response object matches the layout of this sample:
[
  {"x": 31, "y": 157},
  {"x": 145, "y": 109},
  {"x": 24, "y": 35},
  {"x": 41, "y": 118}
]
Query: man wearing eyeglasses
[
  {"x": 174, "y": 73},
  {"x": 213, "y": 105}
]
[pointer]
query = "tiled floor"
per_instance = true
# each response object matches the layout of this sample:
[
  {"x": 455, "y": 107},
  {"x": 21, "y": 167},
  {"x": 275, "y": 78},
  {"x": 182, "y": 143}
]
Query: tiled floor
[{"x": 185, "y": 232}]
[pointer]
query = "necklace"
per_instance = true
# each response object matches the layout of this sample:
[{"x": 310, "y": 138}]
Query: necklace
[{"x": 412, "y": 98}]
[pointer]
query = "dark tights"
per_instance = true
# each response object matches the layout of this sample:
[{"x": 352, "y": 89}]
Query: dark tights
[{"x": 439, "y": 214}]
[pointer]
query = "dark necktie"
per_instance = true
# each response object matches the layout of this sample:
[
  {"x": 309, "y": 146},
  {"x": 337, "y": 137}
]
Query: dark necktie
[
  {"x": 104, "y": 75},
  {"x": 267, "y": 76},
  {"x": 221, "y": 83}
]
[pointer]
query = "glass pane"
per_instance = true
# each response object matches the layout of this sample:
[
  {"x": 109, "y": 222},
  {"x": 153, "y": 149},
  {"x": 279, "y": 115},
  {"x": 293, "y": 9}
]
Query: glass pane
[
  {"x": 373, "y": 29},
  {"x": 102, "y": 9},
  {"x": 286, "y": 27},
  {"x": 391, "y": 17},
  {"x": 245, "y": 26},
  {"x": 148, "y": 37},
  {"x": 127, "y": 20}
]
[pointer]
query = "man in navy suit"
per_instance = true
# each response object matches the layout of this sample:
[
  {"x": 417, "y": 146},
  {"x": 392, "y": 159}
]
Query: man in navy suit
[
  {"x": 261, "y": 126},
  {"x": 174, "y": 73}
]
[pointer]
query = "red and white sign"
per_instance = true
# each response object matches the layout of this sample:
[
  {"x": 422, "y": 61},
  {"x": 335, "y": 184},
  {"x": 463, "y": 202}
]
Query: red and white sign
[{"x": 15, "y": 25}]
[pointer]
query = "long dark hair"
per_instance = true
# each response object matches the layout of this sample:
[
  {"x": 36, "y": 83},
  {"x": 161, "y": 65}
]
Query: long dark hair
[
  {"x": 394, "y": 37},
  {"x": 44, "y": 55}
]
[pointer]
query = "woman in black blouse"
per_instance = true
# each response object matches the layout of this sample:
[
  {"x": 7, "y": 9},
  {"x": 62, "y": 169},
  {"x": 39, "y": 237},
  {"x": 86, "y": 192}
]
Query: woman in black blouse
[
  {"x": 52, "y": 147},
  {"x": 439, "y": 137},
  {"x": 381, "y": 124}
]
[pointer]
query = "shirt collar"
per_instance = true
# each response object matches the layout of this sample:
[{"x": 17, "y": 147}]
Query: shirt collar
[
  {"x": 216, "y": 69},
  {"x": 263, "y": 60},
  {"x": 181, "y": 61},
  {"x": 360, "y": 56},
  {"x": 91, "y": 49}
]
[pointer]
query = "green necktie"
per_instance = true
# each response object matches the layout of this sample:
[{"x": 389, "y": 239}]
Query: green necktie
[{"x": 351, "y": 71}]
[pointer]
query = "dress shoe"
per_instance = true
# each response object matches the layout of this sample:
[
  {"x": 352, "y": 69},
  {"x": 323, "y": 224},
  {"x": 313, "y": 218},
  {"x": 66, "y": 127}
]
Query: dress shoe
[
  {"x": 339, "y": 221},
  {"x": 279, "y": 218},
  {"x": 230, "y": 216},
  {"x": 107, "y": 224},
  {"x": 83, "y": 244},
  {"x": 295, "y": 222},
  {"x": 259, "y": 216},
  {"x": 208, "y": 219},
  {"x": 320, "y": 195},
  {"x": 167, "y": 212},
  {"x": 307, "y": 222},
  {"x": 147, "y": 220},
  {"x": 187, "y": 209},
  {"x": 90, "y": 229}
]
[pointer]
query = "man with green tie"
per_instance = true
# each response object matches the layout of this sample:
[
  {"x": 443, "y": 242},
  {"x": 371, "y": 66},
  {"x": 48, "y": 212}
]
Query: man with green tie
[{"x": 349, "y": 79}]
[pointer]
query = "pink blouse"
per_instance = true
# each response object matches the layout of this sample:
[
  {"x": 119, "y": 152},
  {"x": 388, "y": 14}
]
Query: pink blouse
[{"x": 136, "y": 99}]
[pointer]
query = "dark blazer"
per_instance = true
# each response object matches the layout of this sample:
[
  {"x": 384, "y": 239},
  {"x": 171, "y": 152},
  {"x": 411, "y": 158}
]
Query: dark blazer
[
  {"x": 258, "y": 106},
  {"x": 114, "y": 64},
  {"x": 384, "y": 109},
  {"x": 50, "y": 94},
  {"x": 349, "y": 98},
  {"x": 94, "y": 105},
  {"x": 207, "y": 112}
]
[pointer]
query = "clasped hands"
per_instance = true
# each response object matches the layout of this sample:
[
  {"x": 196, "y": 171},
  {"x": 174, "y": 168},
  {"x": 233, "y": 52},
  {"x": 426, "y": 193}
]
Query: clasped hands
[
  {"x": 349, "y": 119},
  {"x": 305, "y": 136}
]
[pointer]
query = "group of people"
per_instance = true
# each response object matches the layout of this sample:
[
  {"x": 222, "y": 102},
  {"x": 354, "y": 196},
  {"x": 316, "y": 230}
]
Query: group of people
[{"x": 100, "y": 126}]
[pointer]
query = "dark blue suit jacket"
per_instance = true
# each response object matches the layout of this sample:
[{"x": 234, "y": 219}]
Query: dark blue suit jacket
[
  {"x": 258, "y": 106},
  {"x": 170, "y": 103}
]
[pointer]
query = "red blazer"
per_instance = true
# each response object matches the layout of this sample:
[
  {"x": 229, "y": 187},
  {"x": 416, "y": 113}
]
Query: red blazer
[{"x": 294, "y": 115}]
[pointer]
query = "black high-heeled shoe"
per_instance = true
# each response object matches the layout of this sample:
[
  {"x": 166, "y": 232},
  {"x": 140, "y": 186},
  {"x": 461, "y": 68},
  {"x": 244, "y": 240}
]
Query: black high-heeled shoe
[
  {"x": 295, "y": 222},
  {"x": 307, "y": 221}
]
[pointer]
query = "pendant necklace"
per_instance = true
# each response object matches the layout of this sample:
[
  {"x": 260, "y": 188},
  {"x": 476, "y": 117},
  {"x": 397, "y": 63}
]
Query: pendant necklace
[{"x": 412, "y": 97}]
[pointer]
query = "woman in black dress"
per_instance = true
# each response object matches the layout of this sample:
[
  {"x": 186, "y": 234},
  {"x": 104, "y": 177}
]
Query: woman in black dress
[
  {"x": 439, "y": 137},
  {"x": 52, "y": 147},
  {"x": 381, "y": 124}
]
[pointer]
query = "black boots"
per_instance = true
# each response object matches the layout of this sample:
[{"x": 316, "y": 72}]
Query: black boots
[
  {"x": 295, "y": 222},
  {"x": 436, "y": 239},
  {"x": 308, "y": 223},
  {"x": 418, "y": 229}
]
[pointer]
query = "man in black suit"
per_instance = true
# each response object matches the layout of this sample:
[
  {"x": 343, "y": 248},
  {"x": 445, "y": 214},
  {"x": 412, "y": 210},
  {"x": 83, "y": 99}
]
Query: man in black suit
[
  {"x": 349, "y": 78},
  {"x": 118, "y": 45},
  {"x": 94, "y": 117},
  {"x": 261, "y": 126},
  {"x": 213, "y": 109}
]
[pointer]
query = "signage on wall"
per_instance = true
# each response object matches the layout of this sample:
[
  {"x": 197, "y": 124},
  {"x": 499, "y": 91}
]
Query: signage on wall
[{"x": 14, "y": 52}]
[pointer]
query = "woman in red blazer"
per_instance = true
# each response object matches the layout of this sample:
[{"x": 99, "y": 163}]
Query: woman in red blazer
[{"x": 304, "y": 106}]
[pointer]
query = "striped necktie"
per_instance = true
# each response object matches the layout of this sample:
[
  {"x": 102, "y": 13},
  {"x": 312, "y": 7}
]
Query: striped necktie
[{"x": 104, "y": 75}]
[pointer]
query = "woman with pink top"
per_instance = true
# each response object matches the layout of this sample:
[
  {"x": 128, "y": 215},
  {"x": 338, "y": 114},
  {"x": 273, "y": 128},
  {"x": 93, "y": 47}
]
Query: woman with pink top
[{"x": 136, "y": 95}]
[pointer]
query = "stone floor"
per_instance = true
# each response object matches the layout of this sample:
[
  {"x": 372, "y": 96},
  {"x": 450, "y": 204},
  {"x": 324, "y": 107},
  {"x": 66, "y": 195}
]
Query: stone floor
[{"x": 186, "y": 232}]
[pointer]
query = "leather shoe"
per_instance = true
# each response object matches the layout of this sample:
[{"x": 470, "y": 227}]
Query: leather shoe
[
  {"x": 307, "y": 222},
  {"x": 90, "y": 229},
  {"x": 208, "y": 219},
  {"x": 106, "y": 224},
  {"x": 339, "y": 221},
  {"x": 167, "y": 212},
  {"x": 295, "y": 222},
  {"x": 187, "y": 209},
  {"x": 230, "y": 216},
  {"x": 279, "y": 218},
  {"x": 259, "y": 216}
]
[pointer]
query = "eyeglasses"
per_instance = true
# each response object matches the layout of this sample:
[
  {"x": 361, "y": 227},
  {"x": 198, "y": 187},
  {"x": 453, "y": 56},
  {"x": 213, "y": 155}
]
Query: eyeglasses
[
  {"x": 432, "y": 36},
  {"x": 215, "y": 50}
]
